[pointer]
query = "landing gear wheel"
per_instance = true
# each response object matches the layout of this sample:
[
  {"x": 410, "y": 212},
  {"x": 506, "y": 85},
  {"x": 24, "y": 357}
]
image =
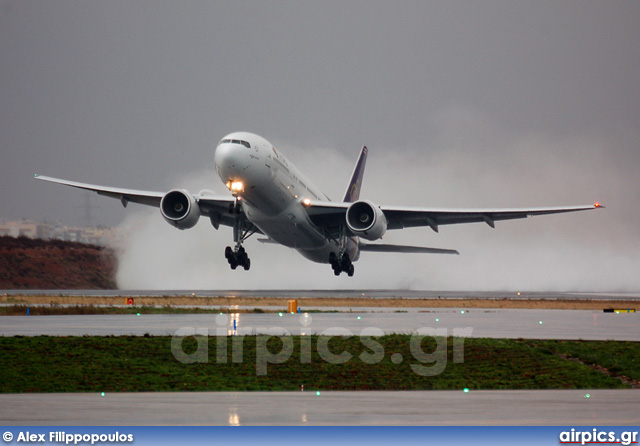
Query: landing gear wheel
[
  {"x": 340, "y": 264},
  {"x": 237, "y": 258}
]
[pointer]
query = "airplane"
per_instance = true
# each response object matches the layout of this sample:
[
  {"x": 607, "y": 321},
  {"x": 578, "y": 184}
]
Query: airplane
[{"x": 271, "y": 197}]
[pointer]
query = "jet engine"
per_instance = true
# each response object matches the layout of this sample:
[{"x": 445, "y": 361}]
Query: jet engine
[
  {"x": 180, "y": 209},
  {"x": 366, "y": 220}
]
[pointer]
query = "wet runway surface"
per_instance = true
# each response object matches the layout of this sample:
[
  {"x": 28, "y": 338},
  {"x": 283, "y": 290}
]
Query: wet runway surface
[
  {"x": 491, "y": 323},
  {"x": 495, "y": 407},
  {"x": 372, "y": 294}
]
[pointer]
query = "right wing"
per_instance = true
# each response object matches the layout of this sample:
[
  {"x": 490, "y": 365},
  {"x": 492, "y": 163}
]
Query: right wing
[
  {"x": 399, "y": 217},
  {"x": 219, "y": 209},
  {"x": 328, "y": 214}
]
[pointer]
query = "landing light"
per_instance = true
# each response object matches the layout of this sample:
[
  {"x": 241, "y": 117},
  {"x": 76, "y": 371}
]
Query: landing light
[
  {"x": 306, "y": 202},
  {"x": 235, "y": 186}
]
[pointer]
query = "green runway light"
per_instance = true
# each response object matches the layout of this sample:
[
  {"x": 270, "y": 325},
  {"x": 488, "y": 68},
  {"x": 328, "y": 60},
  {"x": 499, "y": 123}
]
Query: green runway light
[
  {"x": 462, "y": 312},
  {"x": 318, "y": 393},
  {"x": 102, "y": 394},
  {"x": 280, "y": 314},
  {"x": 359, "y": 318},
  {"x": 466, "y": 390},
  {"x": 437, "y": 319},
  {"x": 588, "y": 395},
  {"x": 138, "y": 314},
  {"x": 540, "y": 322}
]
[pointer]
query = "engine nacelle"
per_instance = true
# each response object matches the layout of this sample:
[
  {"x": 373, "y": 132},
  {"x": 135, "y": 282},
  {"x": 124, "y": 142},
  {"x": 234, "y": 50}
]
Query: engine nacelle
[
  {"x": 180, "y": 209},
  {"x": 366, "y": 220}
]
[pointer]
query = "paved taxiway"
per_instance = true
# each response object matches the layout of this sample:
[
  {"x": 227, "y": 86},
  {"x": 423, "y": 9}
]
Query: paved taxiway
[
  {"x": 499, "y": 323},
  {"x": 486, "y": 407}
]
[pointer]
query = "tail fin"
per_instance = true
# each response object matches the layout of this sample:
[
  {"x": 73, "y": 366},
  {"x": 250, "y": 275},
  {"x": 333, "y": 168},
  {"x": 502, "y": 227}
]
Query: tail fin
[{"x": 353, "y": 189}]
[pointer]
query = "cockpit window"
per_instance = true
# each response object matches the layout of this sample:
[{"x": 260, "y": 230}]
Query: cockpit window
[{"x": 236, "y": 141}]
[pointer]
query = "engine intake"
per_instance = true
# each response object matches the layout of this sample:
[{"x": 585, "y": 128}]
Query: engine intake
[
  {"x": 180, "y": 209},
  {"x": 366, "y": 220}
]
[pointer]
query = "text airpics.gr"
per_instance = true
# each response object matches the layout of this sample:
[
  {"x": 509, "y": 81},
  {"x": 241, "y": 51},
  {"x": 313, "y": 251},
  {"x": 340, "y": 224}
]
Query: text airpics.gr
[{"x": 428, "y": 363}]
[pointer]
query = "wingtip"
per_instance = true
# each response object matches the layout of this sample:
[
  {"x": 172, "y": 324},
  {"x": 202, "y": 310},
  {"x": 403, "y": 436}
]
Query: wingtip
[{"x": 597, "y": 205}]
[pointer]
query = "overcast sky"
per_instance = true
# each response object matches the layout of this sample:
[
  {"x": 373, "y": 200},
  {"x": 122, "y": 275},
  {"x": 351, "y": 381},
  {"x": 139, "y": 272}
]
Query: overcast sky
[{"x": 462, "y": 104}]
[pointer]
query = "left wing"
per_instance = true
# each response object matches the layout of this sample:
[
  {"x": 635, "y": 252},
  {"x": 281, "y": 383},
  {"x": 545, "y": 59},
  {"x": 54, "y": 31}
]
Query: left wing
[
  {"x": 330, "y": 214},
  {"x": 211, "y": 205}
]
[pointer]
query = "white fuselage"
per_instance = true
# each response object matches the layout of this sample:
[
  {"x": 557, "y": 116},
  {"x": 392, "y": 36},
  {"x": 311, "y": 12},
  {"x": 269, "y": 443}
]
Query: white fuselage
[{"x": 272, "y": 195}]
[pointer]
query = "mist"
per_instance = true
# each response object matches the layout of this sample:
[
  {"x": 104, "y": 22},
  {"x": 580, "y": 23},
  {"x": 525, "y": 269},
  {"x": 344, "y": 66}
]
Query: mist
[{"x": 586, "y": 251}]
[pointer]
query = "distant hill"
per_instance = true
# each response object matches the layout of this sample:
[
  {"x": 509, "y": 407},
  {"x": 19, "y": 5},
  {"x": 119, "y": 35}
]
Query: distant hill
[{"x": 54, "y": 264}]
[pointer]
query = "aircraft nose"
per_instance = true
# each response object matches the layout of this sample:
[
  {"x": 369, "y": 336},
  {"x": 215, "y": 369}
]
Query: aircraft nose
[{"x": 228, "y": 161}]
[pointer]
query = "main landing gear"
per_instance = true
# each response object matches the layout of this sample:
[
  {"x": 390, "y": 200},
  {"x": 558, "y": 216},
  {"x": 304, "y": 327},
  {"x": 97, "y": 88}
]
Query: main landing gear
[
  {"x": 342, "y": 264},
  {"x": 237, "y": 257}
]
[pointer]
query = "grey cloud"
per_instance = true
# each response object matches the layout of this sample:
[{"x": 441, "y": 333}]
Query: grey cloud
[{"x": 470, "y": 104}]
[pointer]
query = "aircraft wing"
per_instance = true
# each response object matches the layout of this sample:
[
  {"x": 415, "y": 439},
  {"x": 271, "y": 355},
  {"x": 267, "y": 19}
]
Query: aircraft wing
[
  {"x": 330, "y": 214},
  {"x": 398, "y": 218},
  {"x": 211, "y": 205}
]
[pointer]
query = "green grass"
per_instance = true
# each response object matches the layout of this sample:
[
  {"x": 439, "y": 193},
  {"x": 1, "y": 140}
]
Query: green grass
[
  {"x": 129, "y": 363},
  {"x": 58, "y": 310},
  {"x": 619, "y": 357}
]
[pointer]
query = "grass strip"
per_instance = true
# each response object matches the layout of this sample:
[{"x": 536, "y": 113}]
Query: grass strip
[
  {"x": 619, "y": 358},
  {"x": 61, "y": 310},
  {"x": 130, "y": 363}
]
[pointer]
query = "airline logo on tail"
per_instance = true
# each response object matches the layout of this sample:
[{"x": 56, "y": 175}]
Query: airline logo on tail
[{"x": 353, "y": 190}]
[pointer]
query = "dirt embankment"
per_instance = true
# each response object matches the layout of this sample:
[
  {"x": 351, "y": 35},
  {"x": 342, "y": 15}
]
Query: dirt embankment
[{"x": 54, "y": 264}]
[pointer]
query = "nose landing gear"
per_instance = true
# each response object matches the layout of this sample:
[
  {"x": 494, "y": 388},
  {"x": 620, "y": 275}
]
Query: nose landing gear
[{"x": 237, "y": 257}]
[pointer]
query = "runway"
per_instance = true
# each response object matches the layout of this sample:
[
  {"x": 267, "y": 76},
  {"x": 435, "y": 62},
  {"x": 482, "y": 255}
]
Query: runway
[
  {"x": 353, "y": 293},
  {"x": 477, "y": 408},
  {"x": 498, "y": 323}
]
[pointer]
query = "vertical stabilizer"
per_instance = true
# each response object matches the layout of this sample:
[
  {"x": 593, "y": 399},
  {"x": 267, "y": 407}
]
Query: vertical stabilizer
[{"x": 353, "y": 189}]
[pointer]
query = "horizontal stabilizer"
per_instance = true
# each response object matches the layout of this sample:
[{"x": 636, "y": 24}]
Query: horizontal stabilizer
[
  {"x": 267, "y": 241},
  {"x": 371, "y": 247}
]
